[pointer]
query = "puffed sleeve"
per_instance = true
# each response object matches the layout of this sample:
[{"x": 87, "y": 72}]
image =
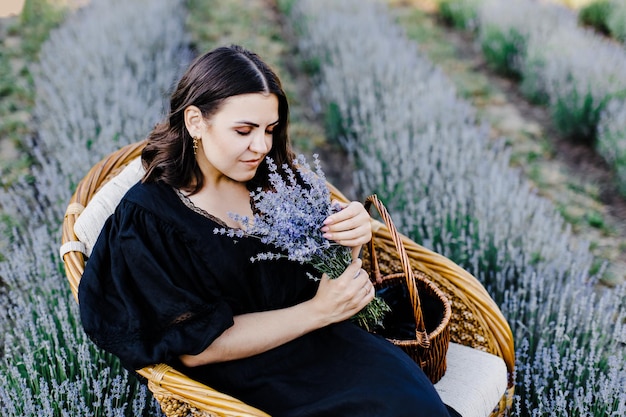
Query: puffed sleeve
[{"x": 144, "y": 297}]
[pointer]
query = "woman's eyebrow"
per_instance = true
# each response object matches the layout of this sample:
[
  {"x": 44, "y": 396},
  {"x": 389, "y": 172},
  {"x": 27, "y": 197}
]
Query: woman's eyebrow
[{"x": 245, "y": 122}]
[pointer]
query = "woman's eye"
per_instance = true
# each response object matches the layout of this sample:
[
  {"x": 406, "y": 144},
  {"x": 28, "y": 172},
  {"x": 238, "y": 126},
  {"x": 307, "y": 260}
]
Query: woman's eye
[
  {"x": 243, "y": 132},
  {"x": 269, "y": 132}
]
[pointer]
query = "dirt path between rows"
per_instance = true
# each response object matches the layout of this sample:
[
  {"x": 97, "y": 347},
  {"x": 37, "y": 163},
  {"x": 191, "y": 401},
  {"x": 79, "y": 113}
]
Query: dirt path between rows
[
  {"x": 573, "y": 176},
  {"x": 568, "y": 165}
]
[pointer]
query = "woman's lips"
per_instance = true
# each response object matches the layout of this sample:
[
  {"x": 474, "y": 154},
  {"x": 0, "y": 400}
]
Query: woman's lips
[{"x": 252, "y": 162}]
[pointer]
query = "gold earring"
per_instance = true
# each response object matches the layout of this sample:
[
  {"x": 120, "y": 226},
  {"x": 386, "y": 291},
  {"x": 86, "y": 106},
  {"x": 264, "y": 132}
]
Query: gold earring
[{"x": 196, "y": 139}]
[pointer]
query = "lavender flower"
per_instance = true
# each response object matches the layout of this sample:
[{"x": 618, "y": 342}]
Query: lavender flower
[{"x": 290, "y": 216}]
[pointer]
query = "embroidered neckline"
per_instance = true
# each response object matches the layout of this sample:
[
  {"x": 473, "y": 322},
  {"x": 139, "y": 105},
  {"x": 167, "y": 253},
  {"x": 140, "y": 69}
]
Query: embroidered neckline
[{"x": 190, "y": 204}]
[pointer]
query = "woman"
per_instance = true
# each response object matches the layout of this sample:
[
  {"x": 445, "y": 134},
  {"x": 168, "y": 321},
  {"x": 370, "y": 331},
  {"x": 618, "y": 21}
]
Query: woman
[{"x": 160, "y": 286}]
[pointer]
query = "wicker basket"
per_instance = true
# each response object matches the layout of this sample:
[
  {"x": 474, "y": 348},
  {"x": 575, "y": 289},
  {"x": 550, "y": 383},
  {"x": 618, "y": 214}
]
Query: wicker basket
[
  {"x": 430, "y": 338},
  {"x": 476, "y": 320}
]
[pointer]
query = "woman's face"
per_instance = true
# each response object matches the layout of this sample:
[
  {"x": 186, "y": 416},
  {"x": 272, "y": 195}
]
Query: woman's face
[{"x": 236, "y": 139}]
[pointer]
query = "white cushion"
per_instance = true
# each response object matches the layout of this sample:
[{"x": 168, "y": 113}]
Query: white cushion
[
  {"x": 474, "y": 381},
  {"x": 103, "y": 203}
]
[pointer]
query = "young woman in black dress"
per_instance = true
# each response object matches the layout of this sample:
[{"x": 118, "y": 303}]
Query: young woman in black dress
[{"x": 162, "y": 287}]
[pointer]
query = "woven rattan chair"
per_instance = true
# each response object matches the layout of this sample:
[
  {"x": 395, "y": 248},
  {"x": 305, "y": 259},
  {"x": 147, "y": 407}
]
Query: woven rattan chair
[{"x": 476, "y": 320}]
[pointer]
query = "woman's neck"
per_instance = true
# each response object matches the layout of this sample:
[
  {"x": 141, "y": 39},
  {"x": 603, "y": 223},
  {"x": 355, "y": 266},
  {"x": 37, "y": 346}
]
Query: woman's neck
[{"x": 222, "y": 198}]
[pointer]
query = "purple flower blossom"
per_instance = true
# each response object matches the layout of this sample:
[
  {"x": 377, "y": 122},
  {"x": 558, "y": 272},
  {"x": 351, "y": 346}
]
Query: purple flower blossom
[{"x": 289, "y": 216}]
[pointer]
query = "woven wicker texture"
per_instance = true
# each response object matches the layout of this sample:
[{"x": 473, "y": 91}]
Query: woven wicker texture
[
  {"x": 476, "y": 320},
  {"x": 428, "y": 349}
]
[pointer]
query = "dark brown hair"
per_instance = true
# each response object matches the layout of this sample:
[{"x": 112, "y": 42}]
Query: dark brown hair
[{"x": 210, "y": 79}]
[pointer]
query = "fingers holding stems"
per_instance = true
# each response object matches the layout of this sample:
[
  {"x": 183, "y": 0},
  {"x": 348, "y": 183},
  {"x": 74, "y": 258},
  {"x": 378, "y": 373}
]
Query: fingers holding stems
[
  {"x": 341, "y": 298},
  {"x": 350, "y": 226}
]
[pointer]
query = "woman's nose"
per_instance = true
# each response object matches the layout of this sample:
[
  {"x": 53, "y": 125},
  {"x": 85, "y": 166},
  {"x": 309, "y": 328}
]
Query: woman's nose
[{"x": 261, "y": 142}]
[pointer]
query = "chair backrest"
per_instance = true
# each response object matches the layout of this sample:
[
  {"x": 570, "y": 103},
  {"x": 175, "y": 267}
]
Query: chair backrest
[{"x": 74, "y": 252}]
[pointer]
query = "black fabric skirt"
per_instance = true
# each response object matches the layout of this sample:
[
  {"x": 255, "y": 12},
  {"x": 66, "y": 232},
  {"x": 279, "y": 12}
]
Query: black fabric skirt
[{"x": 339, "y": 370}]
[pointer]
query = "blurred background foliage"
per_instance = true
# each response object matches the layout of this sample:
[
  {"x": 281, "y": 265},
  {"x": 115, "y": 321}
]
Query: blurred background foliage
[{"x": 482, "y": 188}]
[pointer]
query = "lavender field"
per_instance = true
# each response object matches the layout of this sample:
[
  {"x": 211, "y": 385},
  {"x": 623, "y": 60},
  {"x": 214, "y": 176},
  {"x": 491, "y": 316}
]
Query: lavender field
[{"x": 101, "y": 80}]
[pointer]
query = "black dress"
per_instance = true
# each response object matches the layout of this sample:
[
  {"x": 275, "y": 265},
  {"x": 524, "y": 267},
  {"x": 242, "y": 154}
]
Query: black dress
[{"x": 160, "y": 284}]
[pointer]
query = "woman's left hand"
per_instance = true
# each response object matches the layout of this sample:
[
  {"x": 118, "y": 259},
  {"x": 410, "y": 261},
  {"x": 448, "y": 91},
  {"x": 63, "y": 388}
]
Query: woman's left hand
[{"x": 349, "y": 227}]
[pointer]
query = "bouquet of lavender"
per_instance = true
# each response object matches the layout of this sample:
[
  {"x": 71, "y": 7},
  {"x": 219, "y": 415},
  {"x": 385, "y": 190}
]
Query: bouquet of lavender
[{"x": 290, "y": 219}]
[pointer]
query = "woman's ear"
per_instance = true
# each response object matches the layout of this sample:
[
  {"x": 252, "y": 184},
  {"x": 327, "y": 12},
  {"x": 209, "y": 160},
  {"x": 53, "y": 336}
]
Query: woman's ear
[{"x": 194, "y": 121}]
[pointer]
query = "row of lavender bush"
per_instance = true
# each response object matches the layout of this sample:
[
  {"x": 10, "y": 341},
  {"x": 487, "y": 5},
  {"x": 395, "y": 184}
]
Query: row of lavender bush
[
  {"x": 422, "y": 150},
  {"x": 577, "y": 72},
  {"x": 100, "y": 84},
  {"x": 606, "y": 16}
]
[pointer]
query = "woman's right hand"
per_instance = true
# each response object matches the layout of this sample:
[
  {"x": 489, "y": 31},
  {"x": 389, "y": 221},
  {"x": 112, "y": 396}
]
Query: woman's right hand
[
  {"x": 341, "y": 298},
  {"x": 253, "y": 333}
]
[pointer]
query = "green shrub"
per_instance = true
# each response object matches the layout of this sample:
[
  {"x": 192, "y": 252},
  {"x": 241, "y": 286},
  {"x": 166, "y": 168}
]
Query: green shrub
[
  {"x": 38, "y": 17},
  {"x": 617, "y": 20},
  {"x": 461, "y": 14},
  {"x": 582, "y": 71},
  {"x": 533, "y": 85},
  {"x": 503, "y": 49},
  {"x": 596, "y": 15},
  {"x": 576, "y": 115},
  {"x": 612, "y": 140}
]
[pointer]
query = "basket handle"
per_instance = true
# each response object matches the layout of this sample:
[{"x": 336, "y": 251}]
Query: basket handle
[{"x": 420, "y": 329}]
